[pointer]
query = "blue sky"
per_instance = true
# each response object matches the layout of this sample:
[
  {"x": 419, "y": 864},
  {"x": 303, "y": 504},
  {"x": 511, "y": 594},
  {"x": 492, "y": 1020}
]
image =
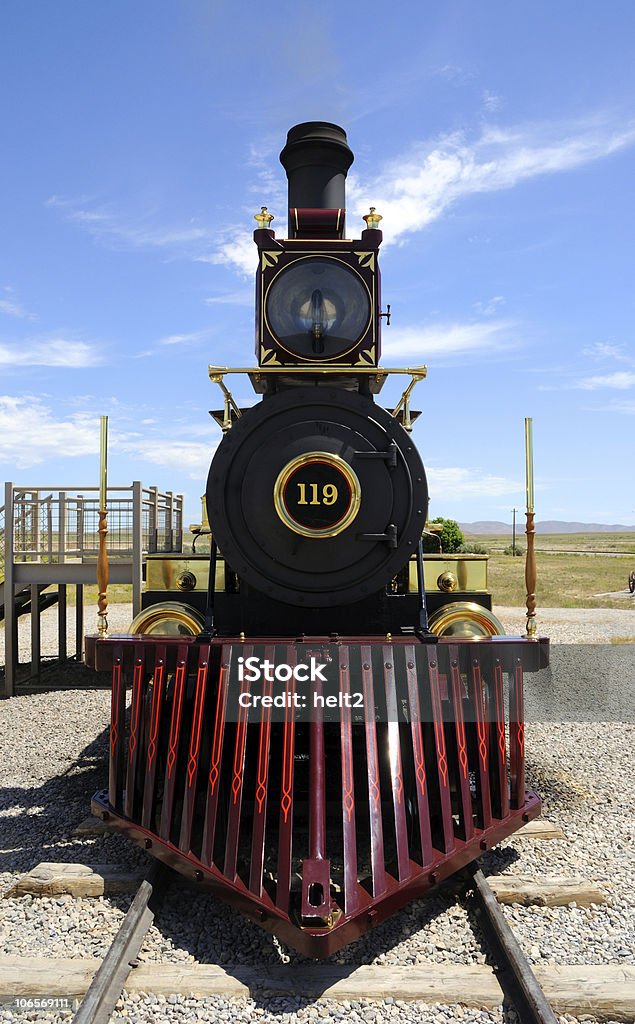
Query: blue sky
[{"x": 497, "y": 140}]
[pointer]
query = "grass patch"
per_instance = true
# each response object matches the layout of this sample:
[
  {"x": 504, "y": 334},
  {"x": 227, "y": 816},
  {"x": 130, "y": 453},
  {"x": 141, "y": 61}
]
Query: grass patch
[
  {"x": 567, "y": 580},
  {"x": 118, "y": 593},
  {"x": 564, "y": 581},
  {"x": 620, "y": 543}
]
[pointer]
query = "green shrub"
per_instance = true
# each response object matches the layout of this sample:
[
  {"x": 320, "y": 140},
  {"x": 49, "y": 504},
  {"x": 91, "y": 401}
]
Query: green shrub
[
  {"x": 450, "y": 536},
  {"x": 509, "y": 550},
  {"x": 472, "y": 549}
]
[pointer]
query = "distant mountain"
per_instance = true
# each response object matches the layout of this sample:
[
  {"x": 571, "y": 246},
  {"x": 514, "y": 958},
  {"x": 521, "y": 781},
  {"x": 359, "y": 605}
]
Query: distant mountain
[
  {"x": 487, "y": 526},
  {"x": 548, "y": 526}
]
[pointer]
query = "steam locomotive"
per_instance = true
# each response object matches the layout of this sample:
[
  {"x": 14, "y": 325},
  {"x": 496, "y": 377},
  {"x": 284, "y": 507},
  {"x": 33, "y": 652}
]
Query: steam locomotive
[{"x": 317, "y": 731}]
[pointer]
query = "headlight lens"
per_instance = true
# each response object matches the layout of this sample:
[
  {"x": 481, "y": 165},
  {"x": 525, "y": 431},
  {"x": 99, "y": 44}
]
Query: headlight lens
[{"x": 317, "y": 308}]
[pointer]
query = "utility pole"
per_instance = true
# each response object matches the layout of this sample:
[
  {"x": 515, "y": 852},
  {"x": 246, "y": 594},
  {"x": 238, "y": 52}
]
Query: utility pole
[{"x": 514, "y": 531}]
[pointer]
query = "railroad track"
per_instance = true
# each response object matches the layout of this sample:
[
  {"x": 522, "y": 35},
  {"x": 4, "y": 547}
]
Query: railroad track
[
  {"x": 516, "y": 977},
  {"x": 109, "y": 982},
  {"x": 605, "y": 992}
]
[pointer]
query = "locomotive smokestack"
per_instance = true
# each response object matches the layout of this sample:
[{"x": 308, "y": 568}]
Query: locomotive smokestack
[{"x": 316, "y": 158}]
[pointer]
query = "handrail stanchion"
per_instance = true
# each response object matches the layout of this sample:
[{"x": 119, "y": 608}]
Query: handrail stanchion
[
  {"x": 530, "y": 532},
  {"x": 10, "y": 619},
  {"x": 137, "y": 546},
  {"x": 102, "y": 560}
]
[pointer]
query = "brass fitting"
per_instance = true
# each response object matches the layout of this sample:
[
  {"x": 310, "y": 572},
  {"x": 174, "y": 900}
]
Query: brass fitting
[{"x": 447, "y": 582}]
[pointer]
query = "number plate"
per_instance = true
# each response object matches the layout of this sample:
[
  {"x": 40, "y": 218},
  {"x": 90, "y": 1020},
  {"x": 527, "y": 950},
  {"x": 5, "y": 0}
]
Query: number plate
[{"x": 317, "y": 495}]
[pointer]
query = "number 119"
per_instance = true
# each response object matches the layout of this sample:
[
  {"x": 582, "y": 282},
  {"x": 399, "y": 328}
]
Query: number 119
[{"x": 329, "y": 494}]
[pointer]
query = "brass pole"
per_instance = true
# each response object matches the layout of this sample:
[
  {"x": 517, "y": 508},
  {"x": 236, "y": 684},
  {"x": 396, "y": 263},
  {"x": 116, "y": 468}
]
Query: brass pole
[
  {"x": 530, "y": 561},
  {"x": 102, "y": 560}
]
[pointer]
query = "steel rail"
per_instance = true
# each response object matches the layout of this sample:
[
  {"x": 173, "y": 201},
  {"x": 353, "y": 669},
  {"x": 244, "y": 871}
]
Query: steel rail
[
  {"x": 517, "y": 979},
  {"x": 105, "y": 989}
]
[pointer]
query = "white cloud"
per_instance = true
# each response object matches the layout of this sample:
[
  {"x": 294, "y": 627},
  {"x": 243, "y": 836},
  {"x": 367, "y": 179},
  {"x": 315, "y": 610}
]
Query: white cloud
[
  {"x": 188, "y": 457},
  {"x": 53, "y": 351},
  {"x": 621, "y": 406},
  {"x": 15, "y": 309},
  {"x": 9, "y": 305},
  {"x": 411, "y": 191},
  {"x": 603, "y": 350},
  {"x": 109, "y": 226},
  {"x": 491, "y": 101},
  {"x": 455, "y": 482},
  {"x": 237, "y": 251},
  {"x": 599, "y": 352},
  {"x": 31, "y": 433},
  {"x": 268, "y": 183},
  {"x": 419, "y": 186},
  {"x": 622, "y": 380},
  {"x": 241, "y": 298},
  {"x": 625, "y": 407},
  {"x": 453, "y": 73},
  {"x": 193, "y": 338},
  {"x": 446, "y": 339},
  {"x": 184, "y": 339},
  {"x": 491, "y": 306}
]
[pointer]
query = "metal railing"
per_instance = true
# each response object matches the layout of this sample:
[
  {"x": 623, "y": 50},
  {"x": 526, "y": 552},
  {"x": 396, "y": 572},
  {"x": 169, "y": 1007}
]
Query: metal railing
[
  {"x": 1, "y": 543},
  {"x": 54, "y": 525},
  {"x": 49, "y": 537}
]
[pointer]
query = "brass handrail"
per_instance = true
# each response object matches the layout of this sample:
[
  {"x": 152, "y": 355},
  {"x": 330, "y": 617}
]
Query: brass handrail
[
  {"x": 417, "y": 373},
  {"x": 321, "y": 368}
]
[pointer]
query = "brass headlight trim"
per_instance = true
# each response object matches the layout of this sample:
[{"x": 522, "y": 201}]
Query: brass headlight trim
[
  {"x": 465, "y": 618},
  {"x": 337, "y": 463},
  {"x": 168, "y": 618}
]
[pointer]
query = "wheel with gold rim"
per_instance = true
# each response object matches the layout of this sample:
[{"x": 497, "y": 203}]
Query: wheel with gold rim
[
  {"x": 465, "y": 619},
  {"x": 167, "y": 618}
]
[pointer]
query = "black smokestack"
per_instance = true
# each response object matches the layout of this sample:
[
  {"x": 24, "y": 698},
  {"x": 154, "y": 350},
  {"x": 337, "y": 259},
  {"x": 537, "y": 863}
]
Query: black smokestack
[{"x": 316, "y": 159}]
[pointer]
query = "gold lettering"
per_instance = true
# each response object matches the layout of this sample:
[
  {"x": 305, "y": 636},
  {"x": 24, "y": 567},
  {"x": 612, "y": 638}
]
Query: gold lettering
[{"x": 329, "y": 494}]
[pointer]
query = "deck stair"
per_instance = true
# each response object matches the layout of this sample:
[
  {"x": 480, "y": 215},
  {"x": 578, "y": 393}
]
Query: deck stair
[{"x": 23, "y": 599}]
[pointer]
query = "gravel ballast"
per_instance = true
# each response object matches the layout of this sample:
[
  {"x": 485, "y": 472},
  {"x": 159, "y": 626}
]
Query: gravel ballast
[{"x": 54, "y": 756}]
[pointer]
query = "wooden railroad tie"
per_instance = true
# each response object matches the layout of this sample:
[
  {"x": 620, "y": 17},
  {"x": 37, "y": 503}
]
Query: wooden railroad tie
[
  {"x": 545, "y": 892},
  {"x": 605, "y": 991},
  {"x": 91, "y": 827},
  {"x": 53, "y": 879},
  {"x": 539, "y": 829}
]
